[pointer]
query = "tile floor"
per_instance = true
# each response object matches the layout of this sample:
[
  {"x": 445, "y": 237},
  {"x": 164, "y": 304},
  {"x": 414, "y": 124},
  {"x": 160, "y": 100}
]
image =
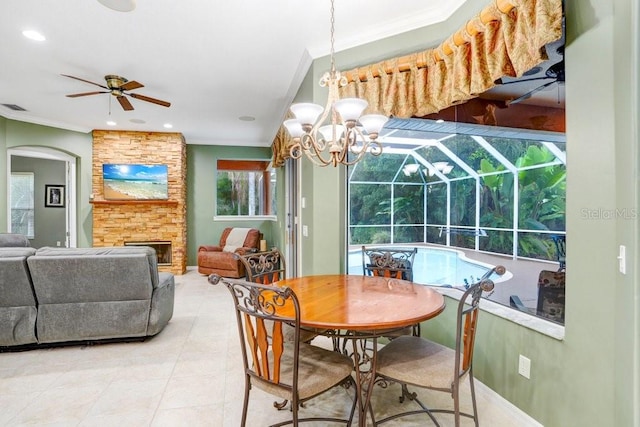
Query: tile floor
[{"x": 188, "y": 375}]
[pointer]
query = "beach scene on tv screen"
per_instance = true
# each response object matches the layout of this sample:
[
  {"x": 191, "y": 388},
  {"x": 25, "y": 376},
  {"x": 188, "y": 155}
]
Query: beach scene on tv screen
[{"x": 135, "y": 182}]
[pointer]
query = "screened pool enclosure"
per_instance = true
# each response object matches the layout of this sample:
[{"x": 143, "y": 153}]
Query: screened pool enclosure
[
  {"x": 484, "y": 188},
  {"x": 478, "y": 187}
]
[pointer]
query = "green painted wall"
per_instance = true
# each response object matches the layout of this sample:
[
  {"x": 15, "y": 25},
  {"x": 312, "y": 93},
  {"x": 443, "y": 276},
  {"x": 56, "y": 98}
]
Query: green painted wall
[
  {"x": 201, "y": 194},
  {"x": 626, "y": 91},
  {"x": 19, "y": 134}
]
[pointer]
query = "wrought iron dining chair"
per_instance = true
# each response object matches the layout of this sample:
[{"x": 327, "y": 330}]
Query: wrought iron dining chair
[
  {"x": 390, "y": 262},
  {"x": 395, "y": 263},
  {"x": 419, "y": 362},
  {"x": 267, "y": 268},
  {"x": 290, "y": 370},
  {"x": 264, "y": 267}
]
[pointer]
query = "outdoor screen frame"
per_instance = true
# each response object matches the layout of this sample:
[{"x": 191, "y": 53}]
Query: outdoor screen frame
[{"x": 123, "y": 181}]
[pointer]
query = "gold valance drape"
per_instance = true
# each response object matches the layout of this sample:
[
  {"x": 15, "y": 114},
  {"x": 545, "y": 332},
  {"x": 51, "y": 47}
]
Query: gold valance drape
[
  {"x": 506, "y": 38},
  {"x": 280, "y": 147}
]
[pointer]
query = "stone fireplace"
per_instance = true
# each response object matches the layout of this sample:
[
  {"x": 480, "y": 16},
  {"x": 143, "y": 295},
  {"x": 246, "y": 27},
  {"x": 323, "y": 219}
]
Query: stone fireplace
[{"x": 157, "y": 223}]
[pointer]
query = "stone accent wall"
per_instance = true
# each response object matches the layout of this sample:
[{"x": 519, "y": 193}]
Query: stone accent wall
[{"x": 115, "y": 222}]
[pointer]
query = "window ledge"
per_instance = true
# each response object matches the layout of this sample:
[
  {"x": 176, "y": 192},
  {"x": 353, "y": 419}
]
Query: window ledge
[
  {"x": 526, "y": 320},
  {"x": 245, "y": 218}
]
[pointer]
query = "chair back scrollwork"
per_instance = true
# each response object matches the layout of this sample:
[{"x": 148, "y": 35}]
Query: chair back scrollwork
[
  {"x": 389, "y": 262},
  {"x": 264, "y": 267}
]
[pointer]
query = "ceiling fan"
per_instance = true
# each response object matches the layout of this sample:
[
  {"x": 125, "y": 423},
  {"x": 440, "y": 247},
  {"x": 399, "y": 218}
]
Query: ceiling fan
[
  {"x": 554, "y": 72},
  {"x": 118, "y": 87}
]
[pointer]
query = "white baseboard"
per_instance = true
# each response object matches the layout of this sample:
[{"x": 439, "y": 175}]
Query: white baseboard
[{"x": 520, "y": 418}]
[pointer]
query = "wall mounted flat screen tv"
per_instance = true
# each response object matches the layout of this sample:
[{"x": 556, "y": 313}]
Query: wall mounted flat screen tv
[{"x": 135, "y": 182}]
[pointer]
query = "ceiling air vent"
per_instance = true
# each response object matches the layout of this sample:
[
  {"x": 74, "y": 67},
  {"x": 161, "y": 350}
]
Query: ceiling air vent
[{"x": 14, "y": 107}]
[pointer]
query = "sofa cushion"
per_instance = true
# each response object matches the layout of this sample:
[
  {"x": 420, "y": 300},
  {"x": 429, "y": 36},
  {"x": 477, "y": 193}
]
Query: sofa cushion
[
  {"x": 17, "y": 300},
  {"x": 13, "y": 240},
  {"x": 90, "y": 278},
  {"x": 15, "y": 283},
  {"x": 13, "y": 252},
  {"x": 92, "y": 320},
  {"x": 147, "y": 251}
]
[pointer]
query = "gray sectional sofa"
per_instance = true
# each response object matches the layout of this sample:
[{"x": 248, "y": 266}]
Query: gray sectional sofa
[{"x": 56, "y": 295}]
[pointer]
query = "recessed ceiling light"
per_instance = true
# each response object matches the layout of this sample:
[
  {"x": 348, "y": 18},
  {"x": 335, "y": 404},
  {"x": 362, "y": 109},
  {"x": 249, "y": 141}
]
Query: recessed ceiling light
[
  {"x": 111, "y": 123},
  {"x": 34, "y": 35},
  {"x": 138, "y": 121},
  {"x": 167, "y": 125},
  {"x": 439, "y": 121},
  {"x": 119, "y": 5},
  {"x": 246, "y": 118}
]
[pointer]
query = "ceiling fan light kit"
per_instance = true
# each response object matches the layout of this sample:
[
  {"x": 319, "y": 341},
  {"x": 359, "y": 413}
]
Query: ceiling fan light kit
[{"x": 119, "y": 5}]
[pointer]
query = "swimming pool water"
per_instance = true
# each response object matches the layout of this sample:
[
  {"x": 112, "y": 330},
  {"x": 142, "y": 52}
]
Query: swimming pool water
[{"x": 435, "y": 266}]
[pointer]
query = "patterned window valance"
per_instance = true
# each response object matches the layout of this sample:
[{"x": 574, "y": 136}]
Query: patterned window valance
[{"x": 506, "y": 39}]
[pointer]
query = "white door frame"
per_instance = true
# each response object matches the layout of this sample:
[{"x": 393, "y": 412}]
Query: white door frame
[
  {"x": 292, "y": 217},
  {"x": 70, "y": 179}
]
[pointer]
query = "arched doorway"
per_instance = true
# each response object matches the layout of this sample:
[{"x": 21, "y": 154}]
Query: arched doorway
[{"x": 51, "y": 224}]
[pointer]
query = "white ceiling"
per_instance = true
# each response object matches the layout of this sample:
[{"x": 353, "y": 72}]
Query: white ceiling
[{"x": 214, "y": 61}]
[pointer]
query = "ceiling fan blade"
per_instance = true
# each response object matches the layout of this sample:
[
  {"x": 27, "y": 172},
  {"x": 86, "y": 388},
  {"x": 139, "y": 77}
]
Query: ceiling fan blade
[
  {"x": 124, "y": 102},
  {"x": 130, "y": 85},
  {"x": 148, "y": 99},
  {"x": 83, "y": 80},
  {"x": 530, "y": 93},
  {"x": 500, "y": 82},
  {"x": 75, "y": 95}
]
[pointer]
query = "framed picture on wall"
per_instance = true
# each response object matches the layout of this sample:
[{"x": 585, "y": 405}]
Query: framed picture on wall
[{"x": 54, "y": 196}]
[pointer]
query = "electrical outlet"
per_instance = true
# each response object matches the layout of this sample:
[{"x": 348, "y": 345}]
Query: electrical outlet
[
  {"x": 58, "y": 243},
  {"x": 524, "y": 367},
  {"x": 305, "y": 231}
]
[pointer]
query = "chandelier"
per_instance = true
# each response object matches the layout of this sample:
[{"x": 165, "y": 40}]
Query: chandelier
[{"x": 337, "y": 133}]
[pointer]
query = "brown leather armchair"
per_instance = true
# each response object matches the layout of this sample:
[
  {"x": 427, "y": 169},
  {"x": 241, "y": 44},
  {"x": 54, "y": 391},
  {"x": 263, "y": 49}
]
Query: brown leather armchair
[{"x": 220, "y": 259}]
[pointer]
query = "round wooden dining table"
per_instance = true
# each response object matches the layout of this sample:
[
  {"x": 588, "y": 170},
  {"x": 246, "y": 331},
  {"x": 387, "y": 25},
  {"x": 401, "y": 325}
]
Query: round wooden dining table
[
  {"x": 360, "y": 308},
  {"x": 359, "y": 303}
]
